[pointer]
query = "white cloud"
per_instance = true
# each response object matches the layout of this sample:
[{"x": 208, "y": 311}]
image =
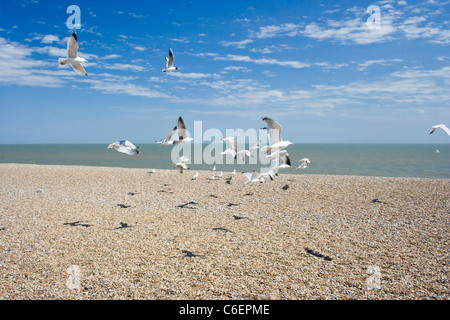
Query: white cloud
[
  {"x": 291, "y": 64},
  {"x": 238, "y": 44},
  {"x": 49, "y": 39},
  {"x": 192, "y": 75},
  {"x": 124, "y": 66},
  {"x": 286, "y": 29},
  {"x": 139, "y": 48},
  {"x": 111, "y": 56},
  {"x": 383, "y": 62}
]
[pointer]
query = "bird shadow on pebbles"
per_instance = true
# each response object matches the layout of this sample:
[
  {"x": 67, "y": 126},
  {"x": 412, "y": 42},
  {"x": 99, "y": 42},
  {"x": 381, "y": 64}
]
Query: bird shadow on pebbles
[
  {"x": 187, "y": 205},
  {"x": 222, "y": 229},
  {"x": 77, "y": 224},
  {"x": 317, "y": 254},
  {"x": 190, "y": 254},
  {"x": 123, "y": 225},
  {"x": 240, "y": 218},
  {"x": 122, "y": 206}
]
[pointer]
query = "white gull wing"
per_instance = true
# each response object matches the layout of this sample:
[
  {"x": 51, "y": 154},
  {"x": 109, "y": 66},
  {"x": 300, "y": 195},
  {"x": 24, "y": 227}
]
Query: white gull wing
[
  {"x": 169, "y": 136},
  {"x": 181, "y": 166},
  {"x": 231, "y": 141},
  {"x": 181, "y": 129},
  {"x": 72, "y": 46},
  {"x": 274, "y": 130},
  {"x": 442, "y": 126},
  {"x": 171, "y": 59},
  {"x": 78, "y": 68}
]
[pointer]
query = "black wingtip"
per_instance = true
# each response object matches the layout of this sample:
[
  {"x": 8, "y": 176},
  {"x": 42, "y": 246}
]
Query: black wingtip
[{"x": 74, "y": 34}]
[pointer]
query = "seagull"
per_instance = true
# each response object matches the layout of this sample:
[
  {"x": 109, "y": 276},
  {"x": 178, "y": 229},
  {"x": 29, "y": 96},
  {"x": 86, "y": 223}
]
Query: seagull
[
  {"x": 253, "y": 177},
  {"x": 169, "y": 62},
  {"x": 39, "y": 190},
  {"x": 233, "y": 150},
  {"x": 182, "y": 132},
  {"x": 269, "y": 174},
  {"x": 214, "y": 168},
  {"x": 284, "y": 161},
  {"x": 72, "y": 56},
  {"x": 276, "y": 154},
  {"x": 151, "y": 171},
  {"x": 167, "y": 141},
  {"x": 231, "y": 175},
  {"x": 304, "y": 163},
  {"x": 256, "y": 145},
  {"x": 275, "y": 140},
  {"x": 183, "y": 159},
  {"x": 124, "y": 146},
  {"x": 195, "y": 176},
  {"x": 442, "y": 126},
  {"x": 181, "y": 166}
]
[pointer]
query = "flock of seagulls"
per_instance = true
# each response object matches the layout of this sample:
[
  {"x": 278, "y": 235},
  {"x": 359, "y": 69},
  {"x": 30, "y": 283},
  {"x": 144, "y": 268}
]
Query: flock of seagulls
[{"x": 276, "y": 145}]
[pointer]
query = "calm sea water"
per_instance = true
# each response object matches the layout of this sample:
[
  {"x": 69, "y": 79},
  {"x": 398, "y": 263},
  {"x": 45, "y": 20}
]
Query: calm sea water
[{"x": 385, "y": 160}]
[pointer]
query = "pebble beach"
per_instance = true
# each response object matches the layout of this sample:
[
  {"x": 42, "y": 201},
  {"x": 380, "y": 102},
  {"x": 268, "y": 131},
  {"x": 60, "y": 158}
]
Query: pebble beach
[{"x": 79, "y": 232}]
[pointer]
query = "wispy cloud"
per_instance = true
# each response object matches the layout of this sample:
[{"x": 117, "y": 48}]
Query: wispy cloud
[
  {"x": 383, "y": 62},
  {"x": 125, "y": 66},
  {"x": 291, "y": 64},
  {"x": 238, "y": 44}
]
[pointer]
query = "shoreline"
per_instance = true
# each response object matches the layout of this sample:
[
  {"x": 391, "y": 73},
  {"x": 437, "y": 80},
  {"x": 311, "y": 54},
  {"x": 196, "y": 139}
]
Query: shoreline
[
  {"x": 123, "y": 233},
  {"x": 281, "y": 172}
]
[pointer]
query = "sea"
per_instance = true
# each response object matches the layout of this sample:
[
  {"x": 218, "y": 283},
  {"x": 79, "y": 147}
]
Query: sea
[{"x": 381, "y": 160}]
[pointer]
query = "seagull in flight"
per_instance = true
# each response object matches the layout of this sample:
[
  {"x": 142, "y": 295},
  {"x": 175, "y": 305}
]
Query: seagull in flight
[
  {"x": 182, "y": 132},
  {"x": 275, "y": 141},
  {"x": 167, "y": 141},
  {"x": 124, "y": 146},
  {"x": 181, "y": 166},
  {"x": 169, "y": 62},
  {"x": 442, "y": 126},
  {"x": 72, "y": 56},
  {"x": 304, "y": 163},
  {"x": 253, "y": 177},
  {"x": 233, "y": 150}
]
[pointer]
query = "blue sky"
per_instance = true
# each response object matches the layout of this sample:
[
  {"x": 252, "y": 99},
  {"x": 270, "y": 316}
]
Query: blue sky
[{"x": 314, "y": 66}]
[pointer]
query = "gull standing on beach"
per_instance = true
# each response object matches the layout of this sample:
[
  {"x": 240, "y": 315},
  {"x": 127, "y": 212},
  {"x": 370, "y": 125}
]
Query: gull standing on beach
[
  {"x": 195, "y": 176},
  {"x": 231, "y": 175},
  {"x": 72, "y": 56},
  {"x": 169, "y": 62},
  {"x": 124, "y": 146},
  {"x": 442, "y": 126}
]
